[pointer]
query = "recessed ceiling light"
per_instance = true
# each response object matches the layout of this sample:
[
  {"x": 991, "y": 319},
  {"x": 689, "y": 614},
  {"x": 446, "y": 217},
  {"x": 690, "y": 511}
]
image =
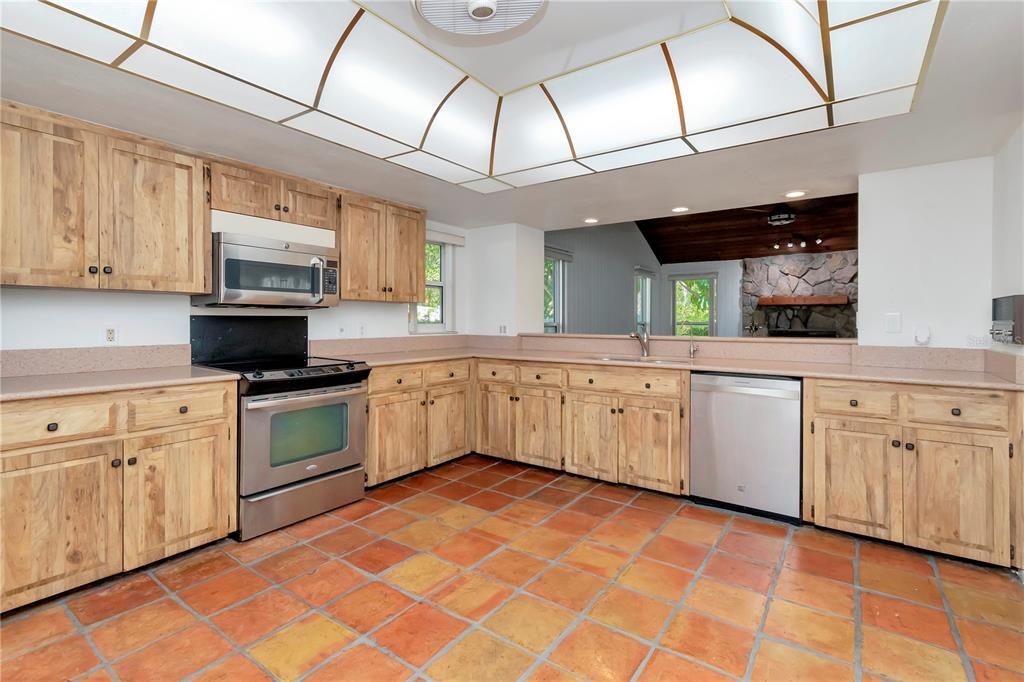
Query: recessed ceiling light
[
  {"x": 590, "y": 221},
  {"x": 795, "y": 194},
  {"x": 680, "y": 209}
]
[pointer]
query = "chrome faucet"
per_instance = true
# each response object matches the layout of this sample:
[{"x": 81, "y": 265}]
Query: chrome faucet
[
  {"x": 645, "y": 340},
  {"x": 693, "y": 348}
]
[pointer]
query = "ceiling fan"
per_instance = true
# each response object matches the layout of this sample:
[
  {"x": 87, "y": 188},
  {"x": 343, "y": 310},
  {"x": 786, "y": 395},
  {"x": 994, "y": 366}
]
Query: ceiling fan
[{"x": 778, "y": 215}]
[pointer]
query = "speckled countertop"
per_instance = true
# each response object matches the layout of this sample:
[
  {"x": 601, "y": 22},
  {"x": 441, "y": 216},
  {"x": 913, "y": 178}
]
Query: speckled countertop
[{"x": 51, "y": 385}]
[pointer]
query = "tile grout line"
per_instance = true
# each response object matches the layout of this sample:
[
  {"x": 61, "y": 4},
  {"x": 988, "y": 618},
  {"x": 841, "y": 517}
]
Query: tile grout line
[
  {"x": 759, "y": 633},
  {"x": 965, "y": 660},
  {"x": 858, "y": 614}
]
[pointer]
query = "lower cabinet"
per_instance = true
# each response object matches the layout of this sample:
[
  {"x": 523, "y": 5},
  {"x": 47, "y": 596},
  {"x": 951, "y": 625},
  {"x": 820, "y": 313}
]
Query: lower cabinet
[
  {"x": 651, "y": 444},
  {"x": 537, "y": 419},
  {"x": 397, "y": 440},
  {"x": 174, "y": 493},
  {"x": 592, "y": 436},
  {"x": 447, "y": 423},
  {"x": 495, "y": 426},
  {"x": 61, "y": 524}
]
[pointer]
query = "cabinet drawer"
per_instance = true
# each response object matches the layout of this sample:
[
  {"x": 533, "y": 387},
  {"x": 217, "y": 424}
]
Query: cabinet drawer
[
  {"x": 177, "y": 406},
  {"x": 539, "y": 375},
  {"x": 955, "y": 408},
  {"x": 446, "y": 372},
  {"x": 494, "y": 371},
  {"x": 864, "y": 401},
  {"x": 398, "y": 378},
  {"x": 642, "y": 382},
  {"x": 53, "y": 420}
]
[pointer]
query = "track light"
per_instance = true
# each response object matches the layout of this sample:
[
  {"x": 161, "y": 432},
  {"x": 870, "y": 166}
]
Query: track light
[
  {"x": 803, "y": 244},
  {"x": 775, "y": 245},
  {"x": 819, "y": 240},
  {"x": 789, "y": 244}
]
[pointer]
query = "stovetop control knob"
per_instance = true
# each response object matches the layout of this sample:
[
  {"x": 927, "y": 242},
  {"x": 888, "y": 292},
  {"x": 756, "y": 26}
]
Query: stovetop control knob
[
  {"x": 258, "y": 374},
  {"x": 350, "y": 366}
]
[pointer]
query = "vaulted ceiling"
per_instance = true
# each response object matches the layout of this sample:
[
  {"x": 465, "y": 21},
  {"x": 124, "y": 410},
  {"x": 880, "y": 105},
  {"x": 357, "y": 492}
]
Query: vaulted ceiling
[
  {"x": 720, "y": 74},
  {"x": 745, "y": 232}
]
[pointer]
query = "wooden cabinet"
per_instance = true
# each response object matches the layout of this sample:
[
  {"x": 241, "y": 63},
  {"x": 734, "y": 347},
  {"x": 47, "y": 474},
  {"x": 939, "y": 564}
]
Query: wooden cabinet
[
  {"x": 858, "y": 485},
  {"x": 174, "y": 487},
  {"x": 153, "y": 231},
  {"x": 309, "y": 204},
  {"x": 406, "y": 255},
  {"x": 956, "y": 493},
  {"x": 495, "y": 425},
  {"x": 397, "y": 436},
  {"x": 266, "y": 195},
  {"x": 61, "y": 521},
  {"x": 383, "y": 251},
  {"x": 537, "y": 420},
  {"x": 48, "y": 203},
  {"x": 651, "y": 444},
  {"x": 592, "y": 435},
  {"x": 447, "y": 423}
]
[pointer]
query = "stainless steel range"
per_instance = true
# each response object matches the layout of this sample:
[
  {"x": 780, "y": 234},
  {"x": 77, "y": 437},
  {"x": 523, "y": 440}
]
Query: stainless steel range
[{"x": 302, "y": 420}]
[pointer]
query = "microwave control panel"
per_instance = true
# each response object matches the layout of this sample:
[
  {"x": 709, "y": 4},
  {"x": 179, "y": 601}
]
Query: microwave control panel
[{"x": 330, "y": 280}]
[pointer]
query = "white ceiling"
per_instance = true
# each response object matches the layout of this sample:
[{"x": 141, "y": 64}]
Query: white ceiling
[{"x": 970, "y": 101}]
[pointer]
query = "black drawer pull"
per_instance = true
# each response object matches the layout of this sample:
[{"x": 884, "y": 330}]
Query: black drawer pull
[
  {"x": 956, "y": 411},
  {"x": 398, "y": 381},
  {"x": 132, "y": 461},
  {"x": 115, "y": 463},
  {"x": 494, "y": 373},
  {"x": 183, "y": 409},
  {"x": 451, "y": 374},
  {"x": 93, "y": 269},
  {"x": 590, "y": 381},
  {"x": 52, "y": 426},
  {"x": 647, "y": 385},
  {"x": 853, "y": 403},
  {"x": 896, "y": 443},
  {"x": 909, "y": 446}
]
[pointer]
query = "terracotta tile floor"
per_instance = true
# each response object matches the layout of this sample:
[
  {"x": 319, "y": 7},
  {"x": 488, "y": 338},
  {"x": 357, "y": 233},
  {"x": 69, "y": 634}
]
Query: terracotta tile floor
[{"x": 519, "y": 573}]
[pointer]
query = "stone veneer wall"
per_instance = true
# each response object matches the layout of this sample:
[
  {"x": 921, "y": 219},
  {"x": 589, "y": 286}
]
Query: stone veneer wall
[{"x": 806, "y": 274}]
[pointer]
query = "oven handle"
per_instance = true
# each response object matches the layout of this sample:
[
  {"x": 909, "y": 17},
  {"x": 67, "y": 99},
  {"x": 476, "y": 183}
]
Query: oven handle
[
  {"x": 318, "y": 263},
  {"x": 301, "y": 400}
]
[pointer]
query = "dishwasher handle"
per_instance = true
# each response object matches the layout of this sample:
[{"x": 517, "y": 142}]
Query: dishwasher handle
[{"x": 770, "y": 387}]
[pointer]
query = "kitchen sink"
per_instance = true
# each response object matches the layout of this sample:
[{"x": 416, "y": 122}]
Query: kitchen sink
[{"x": 637, "y": 358}]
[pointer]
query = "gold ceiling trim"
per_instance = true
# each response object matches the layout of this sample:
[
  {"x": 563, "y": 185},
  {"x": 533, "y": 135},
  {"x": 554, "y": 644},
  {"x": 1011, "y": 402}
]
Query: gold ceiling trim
[
  {"x": 558, "y": 113},
  {"x": 426, "y": 131},
  {"x": 494, "y": 134},
  {"x": 876, "y": 15},
  {"x": 808, "y": 12},
  {"x": 147, "y": 24},
  {"x": 675, "y": 87},
  {"x": 926, "y": 62},
  {"x": 785, "y": 53},
  {"x": 294, "y": 116},
  {"x": 826, "y": 52},
  {"x": 334, "y": 55}
]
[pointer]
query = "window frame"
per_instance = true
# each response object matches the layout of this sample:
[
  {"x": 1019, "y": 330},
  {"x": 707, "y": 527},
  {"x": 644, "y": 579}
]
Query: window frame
[
  {"x": 646, "y": 277},
  {"x": 447, "y": 286},
  {"x": 712, "y": 303},
  {"x": 558, "y": 291}
]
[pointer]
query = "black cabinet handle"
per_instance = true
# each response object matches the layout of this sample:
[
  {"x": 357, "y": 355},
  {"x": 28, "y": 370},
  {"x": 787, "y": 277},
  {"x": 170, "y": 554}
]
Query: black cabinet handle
[
  {"x": 621, "y": 410},
  {"x": 383, "y": 288},
  {"x": 538, "y": 377},
  {"x": 494, "y": 373},
  {"x": 285, "y": 209},
  {"x": 590, "y": 381},
  {"x": 647, "y": 385},
  {"x": 277, "y": 207},
  {"x": 431, "y": 402},
  {"x": 132, "y": 461},
  {"x": 451, "y": 374},
  {"x": 93, "y": 269},
  {"x": 896, "y": 443},
  {"x": 511, "y": 398},
  {"x": 613, "y": 410},
  {"x": 183, "y": 409},
  {"x": 390, "y": 290},
  {"x": 398, "y": 381},
  {"x": 107, "y": 269},
  {"x": 909, "y": 446},
  {"x": 423, "y": 402},
  {"x": 115, "y": 462},
  {"x": 52, "y": 426},
  {"x": 517, "y": 399},
  {"x": 956, "y": 411},
  {"x": 853, "y": 403}
]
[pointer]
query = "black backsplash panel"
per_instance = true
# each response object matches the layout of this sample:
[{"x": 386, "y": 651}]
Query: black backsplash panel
[{"x": 238, "y": 338}]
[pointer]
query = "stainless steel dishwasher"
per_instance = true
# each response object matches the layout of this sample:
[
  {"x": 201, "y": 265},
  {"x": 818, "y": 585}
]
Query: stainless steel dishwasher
[{"x": 745, "y": 441}]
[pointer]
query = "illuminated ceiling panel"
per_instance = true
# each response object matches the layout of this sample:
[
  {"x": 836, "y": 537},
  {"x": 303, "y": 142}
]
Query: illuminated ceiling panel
[
  {"x": 486, "y": 186},
  {"x": 335, "y": 130},
  {"x": 636, "y": 155},
  {"x": 622, "y": 102},
  {"x": 383, "y": 80},
  {"x": 462, "y": 129},
  {"x": 59, "y": 28},
  {"x": 791, "y": 26},
  {"x": 534, "y": 176},
  {"x": 529, "y": 133},
  {"x": 281, "y": 46},
  {"x": 124, "y": 16},
  {"x": 758, "y": 131},
  {"x": 438, "y": 168},
  {"x": 889, "y": 103},
  {"x": 843, "y": 11}
]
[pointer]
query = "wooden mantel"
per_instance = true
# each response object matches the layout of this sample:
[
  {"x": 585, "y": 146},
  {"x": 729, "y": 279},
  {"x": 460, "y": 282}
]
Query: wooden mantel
[{"x": 803, "y": 300}]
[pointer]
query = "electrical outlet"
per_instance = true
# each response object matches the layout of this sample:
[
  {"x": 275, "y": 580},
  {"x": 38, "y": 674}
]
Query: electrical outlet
[{"x": 111, "y": 336}]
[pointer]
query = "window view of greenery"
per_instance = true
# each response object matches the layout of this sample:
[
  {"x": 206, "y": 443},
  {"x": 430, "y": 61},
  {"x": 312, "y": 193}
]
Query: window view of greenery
[
  {"x": 692, "y": 304},
  {"x": 642, "y": 299},
  {"x": 432, "y": 312},
  {"x": 551, "y": 282}
]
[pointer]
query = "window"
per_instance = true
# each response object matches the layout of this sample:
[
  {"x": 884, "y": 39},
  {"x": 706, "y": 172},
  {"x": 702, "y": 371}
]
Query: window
[
  {"x": 554, "y": 290},
  {"x": 642, "y": 299},
  {"x": 693, "y": 305},
  {"x": 436, "y": 314}
]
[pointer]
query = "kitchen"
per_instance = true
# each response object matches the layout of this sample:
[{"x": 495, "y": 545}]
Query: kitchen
[{"x": 575, "y": 364}]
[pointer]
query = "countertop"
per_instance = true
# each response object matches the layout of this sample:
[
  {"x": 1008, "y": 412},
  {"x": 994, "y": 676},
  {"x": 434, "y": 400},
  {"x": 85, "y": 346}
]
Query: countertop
[
  {"x": 938, "y": 377},
  {"x": 51, "y": 385}
]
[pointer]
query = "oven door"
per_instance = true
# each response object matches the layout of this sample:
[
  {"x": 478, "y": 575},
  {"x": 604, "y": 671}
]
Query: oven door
[
  {"x": 288, "y": 437},
  {"x": 250, "y": 275}
]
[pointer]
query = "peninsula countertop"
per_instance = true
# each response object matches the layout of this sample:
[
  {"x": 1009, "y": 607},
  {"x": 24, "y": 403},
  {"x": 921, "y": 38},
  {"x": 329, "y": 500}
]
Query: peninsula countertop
[{"x": 76, "y": 383}]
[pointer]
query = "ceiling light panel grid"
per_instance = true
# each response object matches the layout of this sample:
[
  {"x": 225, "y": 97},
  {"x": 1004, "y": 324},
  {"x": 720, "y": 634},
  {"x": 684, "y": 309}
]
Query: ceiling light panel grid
[
  {"x": 57, "y": 27},
  {"x": 436, "y": 167},
  {"x": 329, "y": 128},
  {"x": 634, "y": 156},
  {"x": 462, "y": 129},
  {"x": 122, "y": 15},
  {"x": 535, "y": 176},
  {"x": 791, "y": 26},
  {"x": 529, "y": 133}
]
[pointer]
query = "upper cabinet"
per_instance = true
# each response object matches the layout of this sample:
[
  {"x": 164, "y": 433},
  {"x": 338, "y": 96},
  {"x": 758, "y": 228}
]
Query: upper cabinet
[
  {"x": 48, "y": 205},
  {"x": 406, "y": 255},
  {"x": 265, "y": 195},
  {"x": 382, "y": 251}
]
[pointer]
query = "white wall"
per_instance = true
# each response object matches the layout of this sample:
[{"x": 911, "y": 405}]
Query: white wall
[
  {"x": 925, "y": 247},
  {"x": 1008, "y": 217},
  {"x": 504, "y": 282},
  {"x": 729, "y": 306}
]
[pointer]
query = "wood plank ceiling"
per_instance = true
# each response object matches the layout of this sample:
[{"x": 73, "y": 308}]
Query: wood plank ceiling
[{"x": 745, "y": 233}]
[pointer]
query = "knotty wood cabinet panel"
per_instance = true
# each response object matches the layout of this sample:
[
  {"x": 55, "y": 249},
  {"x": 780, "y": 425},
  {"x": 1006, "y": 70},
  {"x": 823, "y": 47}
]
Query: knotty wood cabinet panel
[
  {"x": 957, "y": 494},
  {"x": 495, "y": 422},
  {"x": 153, "y": 231},
  {"x": 858, "y": 484},
  {"x": 447, "y": 423},
  {"x": 650, "y": 444},
  {"x": 309, "y": 204},
  {"x": 406, "y": 255},
  {"x": 397, "y": 436},
  {"x": 363, "y": 256},
  {"x": 49, "y": 180},
  {"x": 245, "y": 191},
  {"x": 538, "y": 427},
  {"x": 592, "y": 428}
]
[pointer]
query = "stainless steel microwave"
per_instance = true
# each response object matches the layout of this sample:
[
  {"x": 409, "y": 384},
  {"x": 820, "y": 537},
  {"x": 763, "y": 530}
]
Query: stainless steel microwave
[{"x": 260, "y": 272}]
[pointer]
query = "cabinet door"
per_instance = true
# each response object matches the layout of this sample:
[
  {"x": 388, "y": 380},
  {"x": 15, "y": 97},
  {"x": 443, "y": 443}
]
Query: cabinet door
[
  {"x": 362, "y": 249},
  {"x": 153, "y": 234},
  {"x": 650, "y": 444},
  {"x": 956, "y": 494},
  {"x": 447, "y": 423},
  {"x": 49, "y": 177},
  {"x": 310, "y": 204},
  {"x": 178, "y": 489},
  {"x": 249, "y": 192},
  {"x": 406, "y": 255},
  {"x": 538, "y": 427},
  {"x": 398, "y": 433},
  {"x": 858, "y": 480},
  {"x": 592, "y": 436},
  {"x": 61, "y": 521},
  {"x": 495, "y": 435}
]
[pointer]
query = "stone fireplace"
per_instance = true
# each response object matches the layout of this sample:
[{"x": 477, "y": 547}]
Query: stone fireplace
[{"x": 801, "y": 275}]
